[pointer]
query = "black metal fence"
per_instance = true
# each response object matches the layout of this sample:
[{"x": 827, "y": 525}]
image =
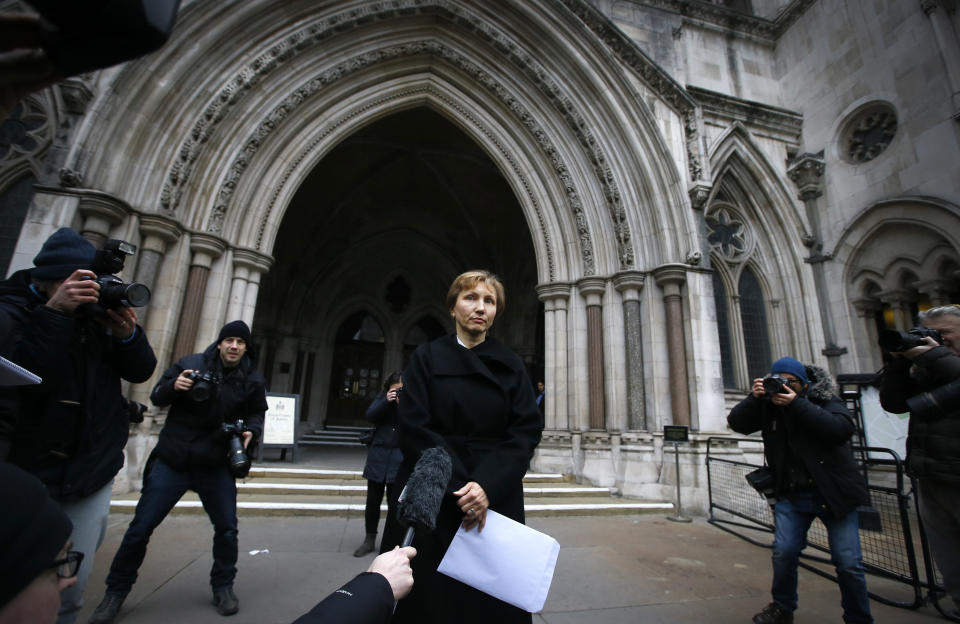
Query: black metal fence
[{"x": 891, "y": 533}]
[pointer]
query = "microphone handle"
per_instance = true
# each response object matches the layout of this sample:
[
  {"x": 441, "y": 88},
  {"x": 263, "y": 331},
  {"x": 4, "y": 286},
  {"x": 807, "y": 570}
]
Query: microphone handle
[{"x": 407, "y": 537}]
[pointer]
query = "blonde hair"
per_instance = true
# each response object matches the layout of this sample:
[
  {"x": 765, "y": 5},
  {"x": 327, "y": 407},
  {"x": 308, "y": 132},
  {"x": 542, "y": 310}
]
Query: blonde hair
[{"x": 470, "y": 279}]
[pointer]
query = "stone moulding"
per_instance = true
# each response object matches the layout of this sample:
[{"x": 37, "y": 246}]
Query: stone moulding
[
  {"x": 585, "y": 242},
  {"x": 245, "y": 79}
]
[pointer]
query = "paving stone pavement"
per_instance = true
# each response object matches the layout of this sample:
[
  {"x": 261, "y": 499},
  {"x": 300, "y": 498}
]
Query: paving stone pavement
[{"x": 611, "y": 569}]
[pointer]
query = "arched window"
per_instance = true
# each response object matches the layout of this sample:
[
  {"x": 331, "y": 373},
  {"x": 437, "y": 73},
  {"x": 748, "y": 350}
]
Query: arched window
[
  {"x": 723, "y": 331},
  {"x": 754, "y": 317}
]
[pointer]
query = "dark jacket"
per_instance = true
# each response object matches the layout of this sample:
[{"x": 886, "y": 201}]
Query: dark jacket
[
  {"x": 383, "y": 458},
  {"x": 816, "y": 429},
  {"x": 192, "y": 433},
  {"x": 478, "y": 404},
  {"x": 367, "y": 599},
  {"x": 933, "y": 441},
  {"x": 69, "y": 430}
]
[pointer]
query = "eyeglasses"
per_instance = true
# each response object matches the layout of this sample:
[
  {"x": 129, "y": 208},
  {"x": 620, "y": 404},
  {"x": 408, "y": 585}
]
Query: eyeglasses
[{"x": 68, "y": 566}]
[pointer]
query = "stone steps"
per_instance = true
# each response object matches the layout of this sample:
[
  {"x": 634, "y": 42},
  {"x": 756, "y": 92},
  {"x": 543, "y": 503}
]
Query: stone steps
[{"x": 271, "y": 491}]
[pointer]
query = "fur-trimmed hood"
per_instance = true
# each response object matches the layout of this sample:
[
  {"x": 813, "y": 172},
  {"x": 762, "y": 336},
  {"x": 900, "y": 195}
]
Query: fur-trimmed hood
[{"x": 822, "y": 386}]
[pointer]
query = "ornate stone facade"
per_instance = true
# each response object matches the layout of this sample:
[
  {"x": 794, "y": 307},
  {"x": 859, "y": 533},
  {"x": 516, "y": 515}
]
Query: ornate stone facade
[{"x": 667, "y": 186}]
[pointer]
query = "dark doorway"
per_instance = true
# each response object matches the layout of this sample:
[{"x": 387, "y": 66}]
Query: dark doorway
[{"x": 383, "y": 224}]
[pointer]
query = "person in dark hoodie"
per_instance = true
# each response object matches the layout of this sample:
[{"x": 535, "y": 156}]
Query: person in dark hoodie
[
  {"x": 69, "y": 431},
  {"x": 806, "y": 432},
  {"x": 206, "y": 392}
]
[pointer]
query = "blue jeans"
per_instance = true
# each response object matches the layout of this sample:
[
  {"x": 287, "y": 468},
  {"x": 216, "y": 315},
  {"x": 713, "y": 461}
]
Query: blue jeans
[
  {"x": 89, "y": 518},
  {"x": 162, "y": 488},
  {"x": 793, "y": 516}
]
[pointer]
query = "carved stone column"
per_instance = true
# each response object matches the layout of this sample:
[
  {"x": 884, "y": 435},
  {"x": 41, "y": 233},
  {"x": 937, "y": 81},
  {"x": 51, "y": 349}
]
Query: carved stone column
[
  {"x": 257, "y": 265},
  {"x": 629, "y": 284},
  {"x": 806, "y": 171},
  {"x": 670, "y": 278},
  {"x": 156, "y": 233},
  {"x": 555, "y": 297},
  {"x": 592, "y": 289},
  {"x": 867, "y": 312},
  {"x": 899, "y": 300},
  {"x": 948, "y": 45},
  {"x": 938, "y": 290},
  {"x": 100, "y": 213},
  {"x": 206, "y": 249}
]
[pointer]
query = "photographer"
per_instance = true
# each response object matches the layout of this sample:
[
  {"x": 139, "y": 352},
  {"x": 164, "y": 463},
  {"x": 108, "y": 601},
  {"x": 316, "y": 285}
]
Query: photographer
[
  {"x": 70, "y": 430},
  {"x": 925, "y": 381},
  {"x": 806, "y": 441},
  {"x": 216, "y": 398}
]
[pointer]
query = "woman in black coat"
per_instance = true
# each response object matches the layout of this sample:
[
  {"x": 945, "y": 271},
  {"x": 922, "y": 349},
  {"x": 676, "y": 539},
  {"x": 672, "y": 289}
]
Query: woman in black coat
[
  {"x": 470, "y": 395},
  {"x": 383, "y": 459}
]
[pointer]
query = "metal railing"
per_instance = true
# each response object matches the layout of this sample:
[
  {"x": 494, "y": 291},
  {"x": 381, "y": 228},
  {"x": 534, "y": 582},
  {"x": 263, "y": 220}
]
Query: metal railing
[{"x": 892, "y": 540}]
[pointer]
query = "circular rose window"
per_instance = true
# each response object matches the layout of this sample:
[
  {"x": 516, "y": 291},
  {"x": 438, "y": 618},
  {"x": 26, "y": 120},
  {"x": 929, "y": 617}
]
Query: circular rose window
[{"x": 869, "y": 132}]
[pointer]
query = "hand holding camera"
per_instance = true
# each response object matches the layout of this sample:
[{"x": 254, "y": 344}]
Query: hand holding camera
[
  {"x": 775, "y": 389},
  {"x": 199, "y": 386},
  {"x": 910, "y": 344},
  {"x": 78, "y": 289}
]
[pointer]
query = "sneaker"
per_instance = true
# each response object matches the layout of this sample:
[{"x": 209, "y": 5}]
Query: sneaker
[
  {"x": 226, "y": 601},
  {"x": 108, "y": 608},
  {"x": 773, "y": 614}
]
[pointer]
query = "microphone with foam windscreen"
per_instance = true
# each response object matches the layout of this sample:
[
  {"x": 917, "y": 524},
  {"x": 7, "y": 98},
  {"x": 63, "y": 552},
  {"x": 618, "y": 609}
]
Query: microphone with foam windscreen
[{"x": 419, "y": 502}]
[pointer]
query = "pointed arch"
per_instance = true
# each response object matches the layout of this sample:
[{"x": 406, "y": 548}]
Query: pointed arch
[{"x": 755, "y": 228}]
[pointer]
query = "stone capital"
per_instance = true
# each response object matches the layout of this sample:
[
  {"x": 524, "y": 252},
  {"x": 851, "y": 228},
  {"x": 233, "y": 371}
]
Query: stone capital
[
  {"x": 592, "y": 289},
  {"x": 163, "y": 229},
  {"x": 699, "y": 193},
  {"x": 554, "y": 290},
  {"x": 252, "y": 260},
  {"x": 206, "y": 248},
  {"x": 897, "y": 298},
  {"x": 100, "y": 212},
  {"x": 629, "y": 284},
  {"x": 806, "y": 171},
  {"x": 670, "y": 274}
]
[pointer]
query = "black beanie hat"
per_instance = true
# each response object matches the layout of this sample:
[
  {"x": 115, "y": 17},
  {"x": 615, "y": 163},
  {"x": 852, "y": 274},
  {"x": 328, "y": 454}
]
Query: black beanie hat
[
  {"x": 62, "y": 254},
  {"x": 235, "y": 329},
  {"x": 33, "y": 530}
]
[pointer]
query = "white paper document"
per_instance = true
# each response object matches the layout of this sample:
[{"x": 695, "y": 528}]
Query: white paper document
[
  {"x": 14, "y": 375},
  {"x": 507, "y": 560}
]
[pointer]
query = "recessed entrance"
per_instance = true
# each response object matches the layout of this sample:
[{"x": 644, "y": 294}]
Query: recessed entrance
[{"x": 366, "y": 251}]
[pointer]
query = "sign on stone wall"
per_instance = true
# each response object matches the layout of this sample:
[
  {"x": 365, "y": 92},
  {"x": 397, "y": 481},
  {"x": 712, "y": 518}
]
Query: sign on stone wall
[{"x": 280, "y": 423}]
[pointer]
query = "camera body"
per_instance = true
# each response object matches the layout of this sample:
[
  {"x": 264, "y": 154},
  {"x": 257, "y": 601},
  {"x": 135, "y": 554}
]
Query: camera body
[
  {"x": 237, "y": 459},
  {"x": 896, "y": 340},
  {"x": 204, "y": 385},
  {"x": 774, "y": 384},
  {"x": 114, "y": 293}
]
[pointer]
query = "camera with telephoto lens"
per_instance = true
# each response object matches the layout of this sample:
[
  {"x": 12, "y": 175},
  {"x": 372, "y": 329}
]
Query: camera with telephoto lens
[
  {"x": 114, "y": 293},
  {"x": 892, "y": 340},
  {"x": 237, "y": 459},
  {"x": 774, "y": 384},
  {"x": 204, "y": 385}
]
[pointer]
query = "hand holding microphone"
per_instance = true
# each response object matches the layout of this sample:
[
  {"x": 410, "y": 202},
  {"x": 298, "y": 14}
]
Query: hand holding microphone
[{"x": 421, "y": 497}]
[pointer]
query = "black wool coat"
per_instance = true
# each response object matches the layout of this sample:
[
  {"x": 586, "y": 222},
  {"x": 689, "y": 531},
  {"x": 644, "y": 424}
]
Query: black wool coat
[
  {"x": 383, "y": 457},
  {"x": 191, "y": 434},
  {"x": 70, "y": 430},
  {"x": 367, "y": 599},
  {"x": 817, "y": 428},
  {"x": 479, "y": 405},
  {"x": 933, "y": 439}
]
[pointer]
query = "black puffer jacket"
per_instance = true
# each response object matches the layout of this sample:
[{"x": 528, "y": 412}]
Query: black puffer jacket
[
  {"x": 816, "y": 428},
  {"x": 933, "y": 441},
  {"x": 192, "y": 434},
  {"x": 70, "y": 430}
]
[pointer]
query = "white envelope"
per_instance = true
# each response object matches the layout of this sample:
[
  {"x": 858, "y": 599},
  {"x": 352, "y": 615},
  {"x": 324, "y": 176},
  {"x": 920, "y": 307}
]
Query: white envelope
[{"x": 506, "y": 560}]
